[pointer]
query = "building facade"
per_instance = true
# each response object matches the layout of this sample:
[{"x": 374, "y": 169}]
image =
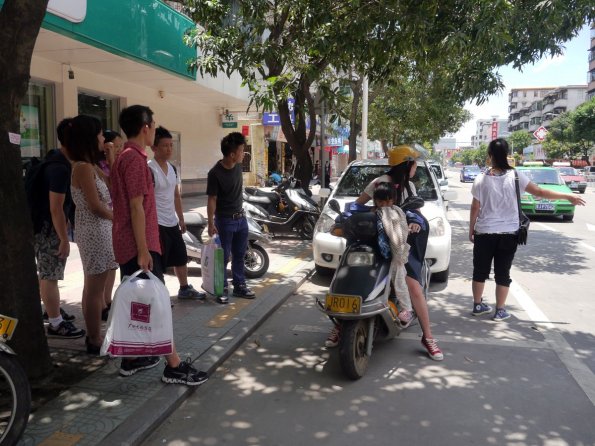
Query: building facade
[
  {"x": 489, "y": 129},
  {"x": 530, "y": 108},
  {"x": 97, "y": 57}
]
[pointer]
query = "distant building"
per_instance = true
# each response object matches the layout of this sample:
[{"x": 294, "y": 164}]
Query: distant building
[
  {"x": 488, "y": 129},
  {"x": 591, "y": 74},
  {"x": 531, "y": 108}
]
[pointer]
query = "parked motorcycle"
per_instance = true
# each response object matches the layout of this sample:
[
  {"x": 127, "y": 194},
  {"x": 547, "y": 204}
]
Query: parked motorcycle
[
  {"x": 286, "y": 209},
  {"x": 360, "y": 299},
  {"x": 256, "y": 260}
]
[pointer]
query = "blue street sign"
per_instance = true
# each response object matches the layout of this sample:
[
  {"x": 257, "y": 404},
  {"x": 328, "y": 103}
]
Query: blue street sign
[{"x": 273, "y": 118}]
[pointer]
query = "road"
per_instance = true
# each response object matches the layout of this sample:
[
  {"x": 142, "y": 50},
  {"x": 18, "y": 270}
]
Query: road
[{"x": 527, "y": 381}]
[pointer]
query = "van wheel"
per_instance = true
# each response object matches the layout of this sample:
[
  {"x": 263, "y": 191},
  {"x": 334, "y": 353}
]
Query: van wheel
[
  {"x": 323, "y": 271},
  {"x": 442, "y": 276}
]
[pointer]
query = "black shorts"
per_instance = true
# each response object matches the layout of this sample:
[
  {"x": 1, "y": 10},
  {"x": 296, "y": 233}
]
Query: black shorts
[
  {"x": 496, "y": 248},
  {"x": 130, "y": 267},
  {"x": 173, "y": 249}
]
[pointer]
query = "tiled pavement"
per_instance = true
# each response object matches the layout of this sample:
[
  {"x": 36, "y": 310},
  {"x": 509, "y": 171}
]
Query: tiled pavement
[{"x": 105, "y": 408}]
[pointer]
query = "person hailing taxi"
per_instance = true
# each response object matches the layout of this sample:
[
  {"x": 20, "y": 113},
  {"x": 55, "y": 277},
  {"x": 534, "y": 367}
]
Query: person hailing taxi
[{"x": 403, "y": 165}]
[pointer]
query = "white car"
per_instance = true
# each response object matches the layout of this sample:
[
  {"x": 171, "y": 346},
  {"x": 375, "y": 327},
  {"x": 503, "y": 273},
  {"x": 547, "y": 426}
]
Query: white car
[{"x": 328, "y": 248}]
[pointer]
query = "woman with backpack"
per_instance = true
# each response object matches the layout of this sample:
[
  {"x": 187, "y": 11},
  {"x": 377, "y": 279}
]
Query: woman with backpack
[{"x": 93, "y": 234}]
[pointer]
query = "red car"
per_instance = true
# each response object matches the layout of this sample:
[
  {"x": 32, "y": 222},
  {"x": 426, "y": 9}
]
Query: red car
[{"x": 573, "y": 179}]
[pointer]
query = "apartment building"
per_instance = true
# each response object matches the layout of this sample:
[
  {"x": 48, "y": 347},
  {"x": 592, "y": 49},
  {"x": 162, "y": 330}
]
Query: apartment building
[
  {"x": 530, "y": 108},
  {"x": 489, "y": 129}
]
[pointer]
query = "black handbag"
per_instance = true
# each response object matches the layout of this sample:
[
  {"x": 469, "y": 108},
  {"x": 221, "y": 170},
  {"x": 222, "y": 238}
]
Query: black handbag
[{"x": 524, "y": 221}]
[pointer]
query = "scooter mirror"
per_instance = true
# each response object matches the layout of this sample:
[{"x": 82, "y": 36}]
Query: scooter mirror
[{"x": 334, "y": 205}]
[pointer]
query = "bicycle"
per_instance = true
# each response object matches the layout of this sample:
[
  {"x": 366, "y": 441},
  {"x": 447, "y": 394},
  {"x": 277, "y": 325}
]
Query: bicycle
[{"x": 15, "y": 393}]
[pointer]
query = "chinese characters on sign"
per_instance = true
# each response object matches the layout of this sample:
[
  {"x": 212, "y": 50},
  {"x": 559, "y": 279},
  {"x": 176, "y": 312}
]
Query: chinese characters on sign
[
  {"x": 273, "y": 118},
  {"x": 494, "y": 129}
]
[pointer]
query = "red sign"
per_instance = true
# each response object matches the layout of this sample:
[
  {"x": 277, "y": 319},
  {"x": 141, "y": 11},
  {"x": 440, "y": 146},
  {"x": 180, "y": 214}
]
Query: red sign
[
  {"x": 540, "y": 133},
  {"x": 246, "y": 130},
  {"x": 494, "y": 129}
]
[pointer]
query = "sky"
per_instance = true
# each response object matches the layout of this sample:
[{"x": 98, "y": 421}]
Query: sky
[{"x": 570, "y": 68}]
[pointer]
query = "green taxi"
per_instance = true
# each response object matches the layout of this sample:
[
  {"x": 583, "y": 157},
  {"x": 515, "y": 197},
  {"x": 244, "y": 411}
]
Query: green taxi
[{"x": 546, "y": 178}]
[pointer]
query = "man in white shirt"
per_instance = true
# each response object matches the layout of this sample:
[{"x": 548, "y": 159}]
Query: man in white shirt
[{"x": 170, "y": 215}]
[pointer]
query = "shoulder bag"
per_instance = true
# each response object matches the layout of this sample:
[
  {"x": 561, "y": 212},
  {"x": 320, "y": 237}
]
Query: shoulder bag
[{"x": 524, "y": 221}]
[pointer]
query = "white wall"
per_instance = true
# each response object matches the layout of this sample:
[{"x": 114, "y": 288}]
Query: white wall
[{"x": 199, "y": 124}]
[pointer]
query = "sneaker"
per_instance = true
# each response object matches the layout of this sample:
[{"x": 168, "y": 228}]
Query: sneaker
[
  {"x": 433, "y": 350},
  {"x": 405, "y": 317},
  {"x": 190, "y": 293},
  {"x": 243, "y": 291},
  {"x": 501, "y": 315},
  {"x": 129, "y": 366},
  {"x": 481, "y": 308},
  {"x": 67, "y": 317},
  {"x": 184, "y": 373},
  {"x": 66, "y": 330},
  {"x": 333, "y": 337}
]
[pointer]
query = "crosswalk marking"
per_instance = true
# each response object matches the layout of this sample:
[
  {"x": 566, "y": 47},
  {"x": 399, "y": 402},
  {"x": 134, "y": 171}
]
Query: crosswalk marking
[{"x": 590, "y": 227}]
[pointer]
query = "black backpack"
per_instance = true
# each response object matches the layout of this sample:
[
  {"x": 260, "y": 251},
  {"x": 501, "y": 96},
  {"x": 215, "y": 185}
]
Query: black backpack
[{"x": 37, "y": 193}]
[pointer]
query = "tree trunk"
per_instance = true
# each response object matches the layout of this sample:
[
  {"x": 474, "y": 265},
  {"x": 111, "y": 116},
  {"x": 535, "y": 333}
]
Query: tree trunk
[
  {"x": 298, "y": 136},
  {"x": 20, "y": 21},
  {"x": 354, "y": 124}
]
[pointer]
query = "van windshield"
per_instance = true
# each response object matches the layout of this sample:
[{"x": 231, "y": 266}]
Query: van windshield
[{"x": 357, "y": 178}]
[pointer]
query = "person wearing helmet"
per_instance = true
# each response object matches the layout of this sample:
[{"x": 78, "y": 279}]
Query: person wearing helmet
[{"x": 403, "y": 162}]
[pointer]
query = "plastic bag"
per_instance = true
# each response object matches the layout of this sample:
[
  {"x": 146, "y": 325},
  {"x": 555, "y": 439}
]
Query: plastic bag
[
  {"x": 140, "y": 321},
  {"x": 211, "y": 265}
]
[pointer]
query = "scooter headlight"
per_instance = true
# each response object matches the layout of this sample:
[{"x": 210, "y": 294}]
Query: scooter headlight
[
  {"x": 437, "y": 227},
  {"x": 360, "y": 259},
  {"x": 324, "y": 224}
]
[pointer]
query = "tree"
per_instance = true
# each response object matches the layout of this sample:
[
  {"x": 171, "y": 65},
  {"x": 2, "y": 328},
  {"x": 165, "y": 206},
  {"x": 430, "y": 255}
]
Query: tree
[
  {"x": 572, "y": 133},
  {"x": 284, "y": 48},
  {"x": 583, "y": 119},
  {"x": 518, "y": 141},
  {"x": 20, "y": 21}
]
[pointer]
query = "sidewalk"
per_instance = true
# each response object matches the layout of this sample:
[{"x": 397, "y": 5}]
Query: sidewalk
[{"x": 106, "y": 409}]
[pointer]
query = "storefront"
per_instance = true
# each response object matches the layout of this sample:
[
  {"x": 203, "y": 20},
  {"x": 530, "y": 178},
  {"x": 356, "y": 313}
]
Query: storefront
[{"x": 102, "y": 57}]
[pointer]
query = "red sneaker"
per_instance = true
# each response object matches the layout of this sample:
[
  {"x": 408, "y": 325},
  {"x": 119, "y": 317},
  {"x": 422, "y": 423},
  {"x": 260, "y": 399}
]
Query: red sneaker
[{"x": 432, "y": 347}]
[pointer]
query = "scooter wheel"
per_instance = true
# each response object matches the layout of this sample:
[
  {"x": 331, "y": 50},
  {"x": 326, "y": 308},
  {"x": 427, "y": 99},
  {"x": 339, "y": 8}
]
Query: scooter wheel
[
  {"x": 256, "y": 261},
  {"x": 306, "y": 229},
  {"x": 352, "y": 348}
]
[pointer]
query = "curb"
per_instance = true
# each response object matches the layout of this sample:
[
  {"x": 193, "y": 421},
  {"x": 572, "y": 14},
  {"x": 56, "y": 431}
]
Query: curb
[{"x": 140, "y": 424}]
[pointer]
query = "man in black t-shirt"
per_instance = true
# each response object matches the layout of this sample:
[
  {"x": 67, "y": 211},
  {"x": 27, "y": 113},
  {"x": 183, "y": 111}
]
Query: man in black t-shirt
[
  {"x": 51, "y": 243},
  {"x": 225, "y": 212}
]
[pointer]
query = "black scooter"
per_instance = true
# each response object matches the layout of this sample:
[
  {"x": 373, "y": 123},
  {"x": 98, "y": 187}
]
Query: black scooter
[
  {"x": 286, "y": 209},
  {"x": 256, "y": 260},
  {"x": 360, "y": 299}
]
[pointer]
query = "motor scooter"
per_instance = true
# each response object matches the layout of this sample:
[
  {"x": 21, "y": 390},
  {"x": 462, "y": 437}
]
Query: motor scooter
[
  {"x": 361, "y": 300},
  {"x": 286, "y": 209},
  {"x": 256, "y": 260}
]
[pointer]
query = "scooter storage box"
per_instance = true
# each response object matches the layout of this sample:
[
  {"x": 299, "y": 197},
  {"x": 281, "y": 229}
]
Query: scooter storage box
[{"x": 361, "y": 227}]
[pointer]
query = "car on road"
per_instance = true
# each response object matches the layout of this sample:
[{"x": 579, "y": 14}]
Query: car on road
[
  {"x": 573, "y": 179},
  {"x": 440, "y": 175},
  {"x": 546, "y": 178},
  {"x": 328, "y": 248},
  {"x": 468, "y": 173}
]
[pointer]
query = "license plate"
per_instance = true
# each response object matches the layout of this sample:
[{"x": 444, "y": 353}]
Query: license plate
[
  {"x": 340, "y": 303},
  {"x": 544, "y": 207},
  {"x": 573, "y": 184},
  {"x": 7, "y": 326}
]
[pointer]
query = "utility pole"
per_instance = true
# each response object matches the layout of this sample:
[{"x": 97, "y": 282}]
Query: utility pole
[{"x": 365, "y": 118}]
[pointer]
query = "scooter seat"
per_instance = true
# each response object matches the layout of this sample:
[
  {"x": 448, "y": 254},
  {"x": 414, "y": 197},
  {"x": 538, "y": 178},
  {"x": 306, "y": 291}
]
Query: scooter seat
[
  {"x": 259, "y": 200},
  {"x": 252, "y": 191},
  {"x": 194, "y": 219}
]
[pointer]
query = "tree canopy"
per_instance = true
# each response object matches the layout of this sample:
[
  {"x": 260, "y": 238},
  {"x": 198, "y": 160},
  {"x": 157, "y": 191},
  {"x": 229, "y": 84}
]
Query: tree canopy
[{"x": 518, "y": 140}]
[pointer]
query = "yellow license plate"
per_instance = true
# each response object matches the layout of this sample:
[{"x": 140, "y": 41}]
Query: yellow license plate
[
  {"x": 7, "y": 326},
  {"x": 340, "y": 303}
]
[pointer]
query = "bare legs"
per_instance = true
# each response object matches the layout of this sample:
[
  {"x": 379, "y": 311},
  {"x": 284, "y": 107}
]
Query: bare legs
[
  {"x": 93, "y": 302},
  {"x": 420, "y": 306},
  {"x": 50, "y": 295},
  {"x": 182, "y": 274},
  {"x": 109, "y": 286},
  {"x": 501, "y": 293}
]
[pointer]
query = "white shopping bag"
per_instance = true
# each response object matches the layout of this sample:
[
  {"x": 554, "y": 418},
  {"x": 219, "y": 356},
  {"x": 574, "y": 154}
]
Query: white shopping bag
[
  {"x": 211, "y": 267},
  {"x": 140, "y": 321}
]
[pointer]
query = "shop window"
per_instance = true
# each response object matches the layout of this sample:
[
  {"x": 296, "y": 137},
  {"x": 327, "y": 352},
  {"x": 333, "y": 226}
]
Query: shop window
[
  {"x": 104, "y": 108},
  {"x": 247, "y": 162},
  {"x": 37, "y": 121}
]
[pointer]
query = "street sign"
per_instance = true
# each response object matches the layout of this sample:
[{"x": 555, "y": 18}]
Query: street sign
[
  {"x": 272, "y": 118},
  {"x": 540, "y": 133},
  {"x": 230, "y": 125}
]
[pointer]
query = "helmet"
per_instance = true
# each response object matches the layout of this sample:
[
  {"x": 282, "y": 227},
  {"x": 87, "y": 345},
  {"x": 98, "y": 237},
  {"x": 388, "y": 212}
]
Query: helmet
[{"x": 402, "y": 153}]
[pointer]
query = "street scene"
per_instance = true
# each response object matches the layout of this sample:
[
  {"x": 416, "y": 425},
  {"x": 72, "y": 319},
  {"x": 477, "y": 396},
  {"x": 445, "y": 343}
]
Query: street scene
[{"x": 287, "y": 223}]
